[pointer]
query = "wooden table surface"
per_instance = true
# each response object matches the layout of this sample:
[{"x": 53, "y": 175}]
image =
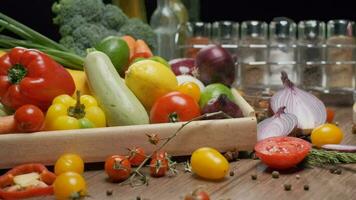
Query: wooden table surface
[{"x": 323, "y": 184}]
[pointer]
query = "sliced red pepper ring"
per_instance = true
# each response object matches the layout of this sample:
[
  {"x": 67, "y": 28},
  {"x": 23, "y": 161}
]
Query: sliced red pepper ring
[{"x": 8, "y": 179}]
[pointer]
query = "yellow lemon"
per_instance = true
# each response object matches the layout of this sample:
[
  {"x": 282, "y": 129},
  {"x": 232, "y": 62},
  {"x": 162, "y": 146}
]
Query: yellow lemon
[{"x": 149, "y": 80}]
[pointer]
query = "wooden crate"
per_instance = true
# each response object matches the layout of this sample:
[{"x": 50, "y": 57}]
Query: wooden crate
[{"x": 95, "y": 145}]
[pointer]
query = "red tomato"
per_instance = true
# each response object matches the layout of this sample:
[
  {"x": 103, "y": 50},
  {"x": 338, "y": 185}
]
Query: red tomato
[
  {"x": 330, "y": 114},
  {"x": 158, "y": 167},
  {"x": 198, "y": 194},
  {"x": 282, "y": 152},
  {"x": 118, "y": 168},
  {"x": 160, "y": 154},
  {"x": 173, "y": 107},
  {"x": 137, "y": 156},
  {"x": 29, "y": 118}
]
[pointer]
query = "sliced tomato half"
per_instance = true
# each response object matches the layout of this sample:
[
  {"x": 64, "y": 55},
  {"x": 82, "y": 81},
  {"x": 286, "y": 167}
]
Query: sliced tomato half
[{"x": 282, "y": 152}]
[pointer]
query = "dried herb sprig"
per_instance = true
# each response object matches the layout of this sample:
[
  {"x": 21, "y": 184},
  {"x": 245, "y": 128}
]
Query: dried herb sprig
[
  {"x": 137, "y": 178},
  {"x": 319, "y": 157}
]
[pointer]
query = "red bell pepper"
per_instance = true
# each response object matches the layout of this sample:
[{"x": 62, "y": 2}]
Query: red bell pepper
[
  {"x": 45, "y": 176},
  {"x": 28, "y": 76}
]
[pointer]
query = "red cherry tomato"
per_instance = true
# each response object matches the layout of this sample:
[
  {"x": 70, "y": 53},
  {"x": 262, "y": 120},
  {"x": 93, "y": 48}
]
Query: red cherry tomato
[
  {"x": 173, "y": 107},
  {"x": 29, "y": 118},
  {"x": 160, "y": 154},
  {"x": 118, "y": 168},
  {"x": 198, "y": 194},
  {"x": 282, "y": 152},
  {"x": 137, "y": 156},
  {"x": 158, "y": 167}
]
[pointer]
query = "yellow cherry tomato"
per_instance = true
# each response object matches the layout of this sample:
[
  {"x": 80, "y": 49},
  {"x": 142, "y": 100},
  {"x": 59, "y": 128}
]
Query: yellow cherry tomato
[
  {"x": 69, "y": 185},
  {"x": 191, "y": 89},
  {"x": 209, "y": 163},
  {"x": 69, "y": 163},
  {"x": 326, "y": 134}
]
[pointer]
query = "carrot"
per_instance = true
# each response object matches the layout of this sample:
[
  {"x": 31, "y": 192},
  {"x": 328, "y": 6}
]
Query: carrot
[
  {"x": 131, "y": 43},
  {"x": 142, "y": 50},
  {"x": 7, "y": 124}
]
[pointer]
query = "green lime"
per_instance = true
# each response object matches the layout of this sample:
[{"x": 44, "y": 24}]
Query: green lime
[
  {"x": 213, "y": 91},
  {"x": 118, "y": 52}
]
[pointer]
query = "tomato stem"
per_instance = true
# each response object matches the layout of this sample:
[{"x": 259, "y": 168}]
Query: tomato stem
[{"x": 173, "y": 117}]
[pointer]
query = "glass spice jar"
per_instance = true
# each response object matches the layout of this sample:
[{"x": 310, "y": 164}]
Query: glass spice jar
[{"x": 311, "y": 53}]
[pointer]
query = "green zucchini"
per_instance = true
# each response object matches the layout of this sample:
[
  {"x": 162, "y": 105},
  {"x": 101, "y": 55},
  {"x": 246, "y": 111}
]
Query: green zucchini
[{"x": 120, "y": 105}]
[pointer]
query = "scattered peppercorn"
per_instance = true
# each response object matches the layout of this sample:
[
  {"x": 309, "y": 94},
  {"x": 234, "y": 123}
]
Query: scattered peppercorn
[
  {"x": 287, "y": 187},
  {"x": 335, "y": 171},
  {"x": 275, "y": 174},
  {"x": 232, "y": 173},
  {"x": 138, "y": 198},
  {"x": 109, "y": 192},
  {"x": 253, "y": 176},
  {"x": 297, "y": 176},
  {"x": 306, "y": 187}
]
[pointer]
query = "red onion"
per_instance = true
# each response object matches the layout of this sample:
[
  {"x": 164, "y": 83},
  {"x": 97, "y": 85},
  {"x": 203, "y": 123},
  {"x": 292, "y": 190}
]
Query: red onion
[
  {"x": 182, "y": 66},
  {"x": 280, "y": 124},
  {"x": 308, "y": 109},
  {"x": 215, "y": 65},
  {"x": 339, "y": 147}
]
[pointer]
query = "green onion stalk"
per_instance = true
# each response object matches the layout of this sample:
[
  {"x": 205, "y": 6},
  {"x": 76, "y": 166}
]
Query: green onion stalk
[{"x": 30, "y": 38}]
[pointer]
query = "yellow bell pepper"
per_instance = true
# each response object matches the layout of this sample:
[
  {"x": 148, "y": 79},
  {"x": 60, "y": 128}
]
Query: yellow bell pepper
[
  {"x": 81, "y": 82},
  {"x": 67, "y": 113}
]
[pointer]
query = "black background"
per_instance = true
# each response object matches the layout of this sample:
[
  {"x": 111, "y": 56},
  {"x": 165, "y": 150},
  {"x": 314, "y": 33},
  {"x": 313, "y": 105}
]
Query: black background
[{"x": 37, "y": 13}]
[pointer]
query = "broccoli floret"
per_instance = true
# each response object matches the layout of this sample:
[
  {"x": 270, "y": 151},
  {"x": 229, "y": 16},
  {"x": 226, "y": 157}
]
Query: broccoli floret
[
  {"x": 65, "y": 10},
  {"x": 139, "y": 30},
  {"x": 113, "y": 17},
  {"x": 83, "y": 23},
  {"x": 73, "y": 23}
]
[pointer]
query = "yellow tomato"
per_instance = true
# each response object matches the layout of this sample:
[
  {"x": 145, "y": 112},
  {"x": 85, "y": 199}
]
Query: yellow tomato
[
  {"x": 69, "y": 163},
  {"x": 209, "y": 163},
  {"x": 326, "y": 134},
  {"x": 191, "y": 89},
  {"x": 69, "y": 185}
]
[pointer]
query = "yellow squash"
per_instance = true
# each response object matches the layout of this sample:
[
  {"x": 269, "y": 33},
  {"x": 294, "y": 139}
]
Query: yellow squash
[{"x": 149, "y": 80}]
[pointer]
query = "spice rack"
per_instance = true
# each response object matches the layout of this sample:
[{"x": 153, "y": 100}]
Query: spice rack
[{"x": 321, "y": 58}]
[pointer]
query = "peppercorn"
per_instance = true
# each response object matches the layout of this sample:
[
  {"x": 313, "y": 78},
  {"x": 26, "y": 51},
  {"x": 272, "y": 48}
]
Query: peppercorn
[
  {"x": 229, "y": 156},
  {"x": 335, "y": 171},
  {"x": 109, "y": 192},
  {"x": 287, "y": 187},
  {"x": 253, "y": 176},
  {"x": 275, "y": 174},
  {"x": 138, "y": 198},
  {"x": 232, "y": 173},
  {"x": 306, "y": 187}
]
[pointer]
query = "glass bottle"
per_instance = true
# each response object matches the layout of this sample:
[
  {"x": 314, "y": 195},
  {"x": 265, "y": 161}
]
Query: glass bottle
[
  {"x": 253, "y": 56},
  {"x": 226, "y": 33},
  {"x": 311, "y": 53},
  {"x": 165, "y": 25},
  {"x": 340, "y": 49},
  {"x": 183, "y": 32},
  {"x": 282, "y": 51},
  {"x": 132, "y": 8}
]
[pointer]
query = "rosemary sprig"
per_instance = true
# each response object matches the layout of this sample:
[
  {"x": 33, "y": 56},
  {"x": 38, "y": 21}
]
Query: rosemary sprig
[{"x": 319, "y": 157}]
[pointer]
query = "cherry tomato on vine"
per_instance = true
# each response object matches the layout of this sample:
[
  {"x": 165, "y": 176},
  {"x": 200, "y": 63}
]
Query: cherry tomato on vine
[
  {"x": 174, "y": 107},
  {"x": 69, "y": 163},
  {"x": 137, "y": 156},
  {"x": 197, "y": 195},
  {"x": 160, "y": 154},
  {"x": 282, "y": 152},
  {"x": 69, "y": 185},
  {"x": 158, "y": 167},
  {"x": 118, "y": 168},
  {"x": 191, "y": 89},
  {"x": 29, "y": 118},
  {"x": 326, "y": 134}
]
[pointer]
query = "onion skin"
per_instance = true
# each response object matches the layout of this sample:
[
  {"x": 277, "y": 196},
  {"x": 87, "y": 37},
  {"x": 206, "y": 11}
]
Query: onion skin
[
  {"x": 222, "y": 103},
  {"x": 215, "y": 65},
  {"x": 281, "y": 124},
  {"x": 308, "y": 109}
]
